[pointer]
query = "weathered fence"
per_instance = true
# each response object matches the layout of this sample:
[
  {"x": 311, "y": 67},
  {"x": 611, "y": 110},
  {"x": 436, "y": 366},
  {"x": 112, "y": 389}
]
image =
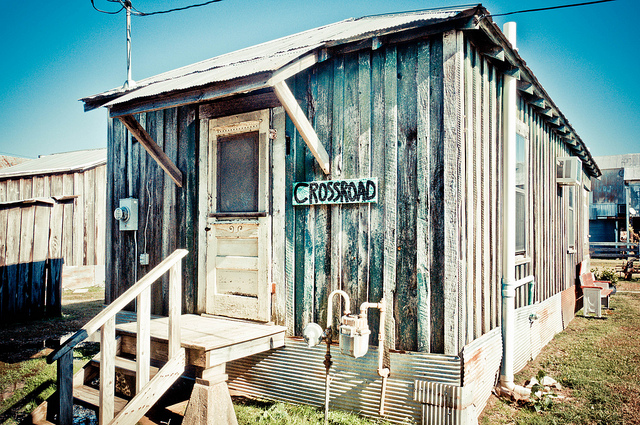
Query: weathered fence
[
  {"x": 30, "y": 258},
  {"x": 30, "y": 290},
  {"x": 613, "y": 250}
]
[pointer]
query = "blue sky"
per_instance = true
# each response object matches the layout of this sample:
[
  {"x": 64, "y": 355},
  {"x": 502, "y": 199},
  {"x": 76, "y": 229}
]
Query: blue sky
[{"x": 54, "y": 53}]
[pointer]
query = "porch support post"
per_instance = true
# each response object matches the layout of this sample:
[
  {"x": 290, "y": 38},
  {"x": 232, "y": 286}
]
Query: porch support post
[
  {"x": 152, "y": 148},
  {"x": 210, "y": 401}
]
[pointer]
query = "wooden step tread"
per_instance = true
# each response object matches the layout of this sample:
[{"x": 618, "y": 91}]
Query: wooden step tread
[
  {"x": 91, "y": 396},
  {"x": 125, "y": 365}
]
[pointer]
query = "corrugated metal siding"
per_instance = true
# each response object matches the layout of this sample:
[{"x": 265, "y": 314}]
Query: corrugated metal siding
[
  {"x": 295, "y": 373},
  {"x": 550, "y": 318},
  {"x": 481, "y": 361},
  {"x": 442, "y": 404},
  {"x": 532, "y": 336}
]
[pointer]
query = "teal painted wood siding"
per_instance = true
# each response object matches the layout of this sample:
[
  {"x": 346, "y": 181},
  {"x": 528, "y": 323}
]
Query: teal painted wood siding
[{"x": 365, "y": 109}]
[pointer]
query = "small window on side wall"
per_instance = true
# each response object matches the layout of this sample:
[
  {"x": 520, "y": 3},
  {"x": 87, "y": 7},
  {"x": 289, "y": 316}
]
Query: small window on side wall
[
  {"x": 521, "y": 193},
  {"x": 571, "y": 220}
]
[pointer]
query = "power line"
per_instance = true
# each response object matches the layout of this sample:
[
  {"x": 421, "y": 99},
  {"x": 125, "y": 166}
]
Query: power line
[
  {"x": 139, "y": 13},
  {"x": 549, "y": 8},
  {"x": 107, "y": 12},
  {"x": 127, "y": 4}
]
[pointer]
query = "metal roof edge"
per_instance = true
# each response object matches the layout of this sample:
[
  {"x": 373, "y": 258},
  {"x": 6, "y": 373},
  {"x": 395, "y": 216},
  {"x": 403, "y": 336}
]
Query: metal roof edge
[
  {"x": 110, "y": 97},
  {"x": 492, "y": 30},
  {"x": 51, "y": 171}
]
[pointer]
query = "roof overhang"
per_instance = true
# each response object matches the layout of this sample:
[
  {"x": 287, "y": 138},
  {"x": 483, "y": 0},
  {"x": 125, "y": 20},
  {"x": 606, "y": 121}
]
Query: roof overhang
[
  {"x": 531, "y": 89},
  {"x": 198, "y": 84}
]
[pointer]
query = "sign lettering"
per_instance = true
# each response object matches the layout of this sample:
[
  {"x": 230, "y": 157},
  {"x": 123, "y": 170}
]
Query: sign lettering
[{"x": 355, "y": 191}]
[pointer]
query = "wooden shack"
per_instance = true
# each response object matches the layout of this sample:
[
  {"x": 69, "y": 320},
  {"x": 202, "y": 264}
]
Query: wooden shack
[
  {"x": 366, "y": 156},
  {"x": 51, "y": 208}
]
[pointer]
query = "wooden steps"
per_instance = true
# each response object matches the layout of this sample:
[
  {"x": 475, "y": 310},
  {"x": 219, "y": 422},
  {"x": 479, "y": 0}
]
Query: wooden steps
[
  {"x": 124, "y": 365},
  {"x": 91, "y": 397}
]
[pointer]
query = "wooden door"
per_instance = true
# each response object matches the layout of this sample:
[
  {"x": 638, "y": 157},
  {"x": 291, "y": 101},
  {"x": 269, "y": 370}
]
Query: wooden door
[{"x": 238, "y": 221}]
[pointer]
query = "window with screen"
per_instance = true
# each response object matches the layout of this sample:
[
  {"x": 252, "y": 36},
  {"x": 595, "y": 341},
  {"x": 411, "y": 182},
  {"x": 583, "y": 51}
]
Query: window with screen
[{"x": 237, "y": 167}]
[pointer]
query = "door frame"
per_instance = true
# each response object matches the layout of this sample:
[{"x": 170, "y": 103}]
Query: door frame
[{"x": 210, "y": 129}]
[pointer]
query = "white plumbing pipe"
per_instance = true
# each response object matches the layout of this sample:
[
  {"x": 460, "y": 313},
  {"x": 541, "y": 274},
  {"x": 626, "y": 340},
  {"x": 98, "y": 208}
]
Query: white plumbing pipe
[
  {"x": 509, "y": 228},
  {"x": 383, "y": 372},
  {"x": 347, "y": 303}
]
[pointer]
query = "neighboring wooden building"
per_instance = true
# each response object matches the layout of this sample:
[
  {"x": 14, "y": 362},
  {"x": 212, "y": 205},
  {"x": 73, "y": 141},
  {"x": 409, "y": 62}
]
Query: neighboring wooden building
[
  {"x": 53, "y": 207},
  {"x": 396, "y": 126}
]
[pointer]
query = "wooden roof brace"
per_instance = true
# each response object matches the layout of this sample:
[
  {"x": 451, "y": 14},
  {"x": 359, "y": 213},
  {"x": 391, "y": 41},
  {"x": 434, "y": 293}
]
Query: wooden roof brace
[
  {"x": 538, "y": 102},
  {"x": 152, "y": 148},
  {"x": 302, "y": 124},
  {"x": 496, "y": 53},
  {"x": 525, "y": 87},
  {"x": 288, "y": 100}
]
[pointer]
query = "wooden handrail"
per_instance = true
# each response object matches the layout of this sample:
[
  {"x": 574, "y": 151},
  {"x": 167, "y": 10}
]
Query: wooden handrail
[{"x": 96, "y": 323}]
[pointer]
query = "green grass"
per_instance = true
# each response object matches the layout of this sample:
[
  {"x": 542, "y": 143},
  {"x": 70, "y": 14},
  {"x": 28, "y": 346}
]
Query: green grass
[
  {"x": 274, "y": 413},
  {"x": 26, "y": 385},
  {"x": 598, "y": 364}
]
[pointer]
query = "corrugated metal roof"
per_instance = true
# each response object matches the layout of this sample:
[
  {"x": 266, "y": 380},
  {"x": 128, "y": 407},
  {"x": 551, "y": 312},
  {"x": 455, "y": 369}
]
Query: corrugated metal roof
[
  {"x": 10, "y": 161},
  {"x": 273, "y": 55},
  {"x": 57, "y": 163}
]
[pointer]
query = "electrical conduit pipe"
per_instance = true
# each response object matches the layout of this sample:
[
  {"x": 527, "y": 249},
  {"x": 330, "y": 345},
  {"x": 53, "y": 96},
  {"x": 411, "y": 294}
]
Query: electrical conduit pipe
[
  {"x": 509, "y": 231},
  {"x": 328, "y": 337}
]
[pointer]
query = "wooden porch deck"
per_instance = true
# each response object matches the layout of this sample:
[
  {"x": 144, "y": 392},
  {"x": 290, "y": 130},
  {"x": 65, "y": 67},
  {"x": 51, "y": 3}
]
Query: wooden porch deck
[{"x": 209, "y": 340}]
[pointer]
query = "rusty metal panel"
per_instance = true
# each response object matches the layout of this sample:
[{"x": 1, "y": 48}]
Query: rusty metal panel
[
  {"x": 481, "y": 359},
  {"x": 522, "y": 349},
  {"x": 569, "y": 297},
  {"x": 550, "y": 318},
  {"x": 609, "y": 189},
  {"x": 296, "y": 374},
  {"x": 443, "y": 404}
]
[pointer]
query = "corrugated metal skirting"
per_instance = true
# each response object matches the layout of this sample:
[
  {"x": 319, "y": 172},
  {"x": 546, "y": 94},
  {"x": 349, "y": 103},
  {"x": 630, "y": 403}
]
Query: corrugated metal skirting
[
  {"x": 533, "y": 334},
  {"x": 295, "y": 373},
  {"x": 482, "y": 359},
  {"x": 425, "y": 388}
]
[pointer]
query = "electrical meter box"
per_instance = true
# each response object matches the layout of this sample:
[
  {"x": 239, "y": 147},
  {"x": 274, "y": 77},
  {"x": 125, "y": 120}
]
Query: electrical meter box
[
  {"x": 354, "y": 336},
  {"x": 127, "y": 214}
]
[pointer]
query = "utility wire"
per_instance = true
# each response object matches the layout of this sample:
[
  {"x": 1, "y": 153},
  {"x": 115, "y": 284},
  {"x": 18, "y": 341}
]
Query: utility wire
[
  {"x": 107, "y": 12},
  {"x": 139, "y": 13},
  {"x": 549, "y": 8},
  {"x": 134, "y": 11}
]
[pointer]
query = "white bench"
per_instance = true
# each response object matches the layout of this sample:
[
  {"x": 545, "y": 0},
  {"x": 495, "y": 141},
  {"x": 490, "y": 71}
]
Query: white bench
[{"x": 595, "y": 294}]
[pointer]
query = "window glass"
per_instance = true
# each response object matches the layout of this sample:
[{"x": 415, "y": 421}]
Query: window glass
[
  {"x": 571, "y": 222},
  {"x": 237, "y": 188},
  {"x": 521, "y": 194}
]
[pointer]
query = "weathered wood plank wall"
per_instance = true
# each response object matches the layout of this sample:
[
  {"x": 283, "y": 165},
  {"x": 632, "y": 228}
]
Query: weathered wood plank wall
[
  {"x": 168, "y": 215},
  {"x": 82, "y": 226},
  {"x": 365, "y": 107},
  {"x": 29, "y": 267},
  {"x": 383, "y": 113}
]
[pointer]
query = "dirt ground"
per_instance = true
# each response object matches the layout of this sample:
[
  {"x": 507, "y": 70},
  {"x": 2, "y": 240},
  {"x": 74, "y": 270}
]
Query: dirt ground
[{"x": 22, "y": 341}]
